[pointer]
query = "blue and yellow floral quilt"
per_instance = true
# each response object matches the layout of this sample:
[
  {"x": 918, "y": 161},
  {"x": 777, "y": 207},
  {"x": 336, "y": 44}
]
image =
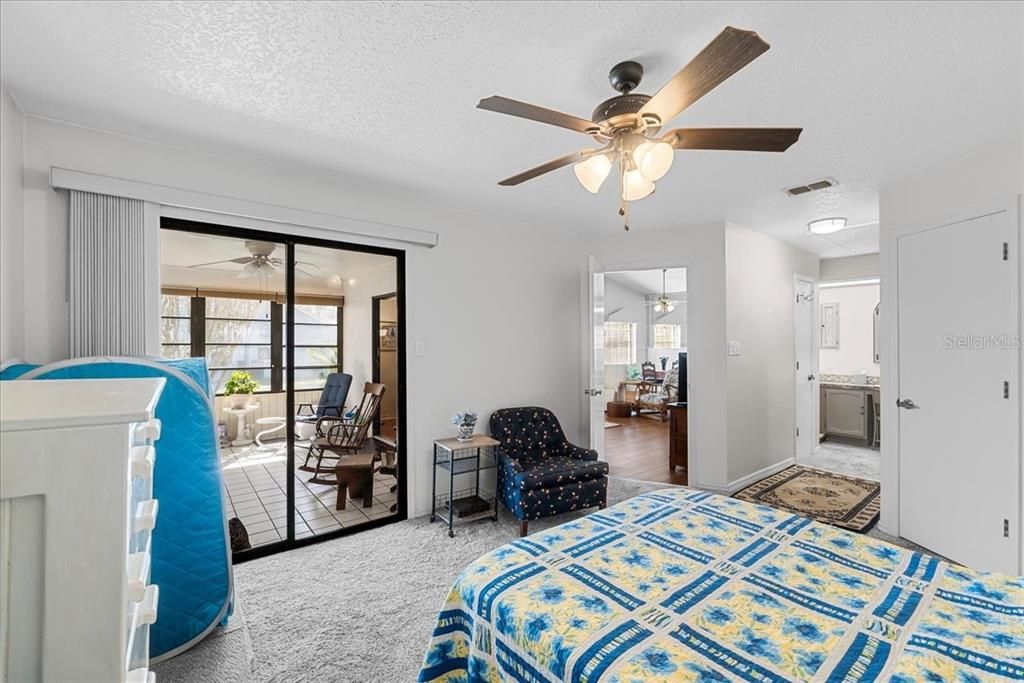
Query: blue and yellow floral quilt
[{"x": 683, "y": 585}]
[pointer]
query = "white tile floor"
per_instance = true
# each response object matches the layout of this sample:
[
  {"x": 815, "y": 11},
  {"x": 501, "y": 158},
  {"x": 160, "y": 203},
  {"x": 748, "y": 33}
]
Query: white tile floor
[{"x": 255, "y": 482}]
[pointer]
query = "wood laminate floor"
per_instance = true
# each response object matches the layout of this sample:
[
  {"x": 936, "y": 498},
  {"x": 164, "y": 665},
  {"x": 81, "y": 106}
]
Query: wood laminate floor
[{"x": 638, "y": 449}]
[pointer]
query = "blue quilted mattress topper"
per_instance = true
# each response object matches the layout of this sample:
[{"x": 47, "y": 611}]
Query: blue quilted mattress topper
[{"x": 191, "y": 552}]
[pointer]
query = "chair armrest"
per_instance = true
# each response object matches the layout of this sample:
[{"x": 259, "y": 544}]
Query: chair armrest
[
  {"x": 326, "y": 423},
  {"x": 511, "y": 465},
  {"x": 579, "y": 452},
  {"x": 305, "y": 405}
]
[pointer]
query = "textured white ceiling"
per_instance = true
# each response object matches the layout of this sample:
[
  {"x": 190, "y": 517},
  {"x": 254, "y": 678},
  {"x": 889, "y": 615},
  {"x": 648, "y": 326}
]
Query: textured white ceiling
[{"x": 387, "y": 91}]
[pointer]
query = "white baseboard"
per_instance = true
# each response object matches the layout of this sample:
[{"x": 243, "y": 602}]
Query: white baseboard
[{"x": 743, "y": 482}]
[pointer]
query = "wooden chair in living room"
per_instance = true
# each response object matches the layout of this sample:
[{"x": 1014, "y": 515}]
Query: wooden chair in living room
[
  {"x": 337, "y": 437},
  {"x": 648, "y": 372}
]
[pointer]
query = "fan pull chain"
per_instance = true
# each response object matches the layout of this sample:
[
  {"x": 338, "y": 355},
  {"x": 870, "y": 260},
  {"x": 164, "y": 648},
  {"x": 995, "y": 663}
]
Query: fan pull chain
[{"x": 623, "y": 204}]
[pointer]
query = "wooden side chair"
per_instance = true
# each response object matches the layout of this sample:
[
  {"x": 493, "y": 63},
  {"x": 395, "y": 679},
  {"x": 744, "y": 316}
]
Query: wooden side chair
[
  {"x": 337, "y": 436},
  {"x": 648, "y": 372}
]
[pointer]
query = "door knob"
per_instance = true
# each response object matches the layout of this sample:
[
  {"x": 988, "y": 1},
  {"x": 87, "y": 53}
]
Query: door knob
[
  {"x": 906, "y": 404},
  {"x": 810, "y": 378}
]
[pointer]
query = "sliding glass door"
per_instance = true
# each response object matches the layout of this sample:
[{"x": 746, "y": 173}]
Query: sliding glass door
[{"x": 291, "y": 335}]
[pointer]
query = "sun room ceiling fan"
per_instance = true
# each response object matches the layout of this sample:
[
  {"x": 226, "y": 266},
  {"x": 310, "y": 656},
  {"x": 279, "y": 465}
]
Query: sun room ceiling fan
[
  {"x": 260, "y": 261},
  {"x": 628, "y": 125}
]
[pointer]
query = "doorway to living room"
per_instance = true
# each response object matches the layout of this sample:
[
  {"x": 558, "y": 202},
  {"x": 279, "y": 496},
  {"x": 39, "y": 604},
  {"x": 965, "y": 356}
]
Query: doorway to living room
[
  {"x": 281, "y": 326},
  {"x": 644, "y": 342}
]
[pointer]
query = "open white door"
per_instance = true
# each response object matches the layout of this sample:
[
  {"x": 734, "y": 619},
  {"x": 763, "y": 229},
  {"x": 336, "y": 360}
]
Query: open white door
[
  {"x": 806, "y": 431},
  {"x": 960, "y": 414},
  {"x": 594, "y": 338}
]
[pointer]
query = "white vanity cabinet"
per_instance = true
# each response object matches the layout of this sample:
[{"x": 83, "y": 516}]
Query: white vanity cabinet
[
  {"x": 76, "y": 515},
  {"x": 846, "y": 412}
]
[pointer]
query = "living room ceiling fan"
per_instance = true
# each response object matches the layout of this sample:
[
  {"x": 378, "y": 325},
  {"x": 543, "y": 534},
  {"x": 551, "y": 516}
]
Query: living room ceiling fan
[
  {"x": 260, "y": 261},
  {"x": 628, "y": 125},
  {"x": 663, "y": 304}
]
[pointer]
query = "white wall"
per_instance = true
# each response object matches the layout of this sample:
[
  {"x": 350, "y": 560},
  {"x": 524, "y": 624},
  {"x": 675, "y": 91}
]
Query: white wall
[
  {"x": 466, "y": 309},
  {"x": 850, "y": 267},
  {"x": 12, "y": 230},
  {"x": 760, "y": 316},
  {"x": 983, "y": 180},
  {"x": 856, "y": 352},
  {"x": 358, "y": 345},
  {"x": 701, "y": 250}
]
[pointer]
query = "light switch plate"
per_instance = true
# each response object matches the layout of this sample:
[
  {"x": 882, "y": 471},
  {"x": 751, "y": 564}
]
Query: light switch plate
[
  {"x": 734, "y": 348},
  {"x": 421, "y": 349}
]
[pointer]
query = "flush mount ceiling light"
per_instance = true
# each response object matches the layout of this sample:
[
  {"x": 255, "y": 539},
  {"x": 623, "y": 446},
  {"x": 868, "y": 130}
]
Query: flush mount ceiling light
[
  {"x": 826, "y": 226},
  {"x": 629, "y": 124}
]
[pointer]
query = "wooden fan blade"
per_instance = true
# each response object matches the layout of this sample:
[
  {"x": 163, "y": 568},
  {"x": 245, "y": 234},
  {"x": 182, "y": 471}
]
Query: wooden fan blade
[
  {"x": 241, "y": 259},
  {"x": 504, "y": 105},
  {"x": 739, "y": 139},
  {"x": 542, "y": 169},
  {"x": 732, "y": 50}
]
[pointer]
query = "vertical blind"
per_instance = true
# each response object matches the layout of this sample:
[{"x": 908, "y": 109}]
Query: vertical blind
[{"x": 106, "y": 294}]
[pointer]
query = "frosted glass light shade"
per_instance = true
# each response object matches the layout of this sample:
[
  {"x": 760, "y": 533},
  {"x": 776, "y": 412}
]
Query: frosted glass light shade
[
  {"x": 653, "y": 159},
  {"x": 635, "y": 186},
  {"x": 592, "y": 171},
  {"x": 826, "y": 226}
]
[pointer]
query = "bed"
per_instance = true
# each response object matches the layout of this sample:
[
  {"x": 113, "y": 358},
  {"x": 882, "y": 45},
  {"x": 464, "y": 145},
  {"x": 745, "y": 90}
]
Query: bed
[{"x": 684, "y": 585}]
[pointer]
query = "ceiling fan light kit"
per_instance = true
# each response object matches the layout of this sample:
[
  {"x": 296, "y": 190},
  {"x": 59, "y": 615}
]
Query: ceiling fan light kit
[{"x": 628, "y": 125}]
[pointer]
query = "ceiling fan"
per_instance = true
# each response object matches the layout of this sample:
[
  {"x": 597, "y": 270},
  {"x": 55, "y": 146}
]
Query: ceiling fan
[
  {"x": 259, "y": 261},
  {"x": 663, "y": 304},
  {"x": 628, "y": 125}
]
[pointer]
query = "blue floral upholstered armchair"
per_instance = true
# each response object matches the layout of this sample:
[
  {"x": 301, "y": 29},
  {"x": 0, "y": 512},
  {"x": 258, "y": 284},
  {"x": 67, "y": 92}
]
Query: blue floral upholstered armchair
[{"x": 539, "y": 472}]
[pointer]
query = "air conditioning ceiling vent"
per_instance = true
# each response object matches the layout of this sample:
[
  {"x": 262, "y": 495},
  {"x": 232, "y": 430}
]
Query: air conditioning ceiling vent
[{"x": 811, "y": 187}]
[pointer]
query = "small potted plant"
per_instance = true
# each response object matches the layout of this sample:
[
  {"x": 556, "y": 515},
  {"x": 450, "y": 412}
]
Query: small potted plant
[
  {"x": 240, "y": 387},
  {"x": 466, "y": 422}
]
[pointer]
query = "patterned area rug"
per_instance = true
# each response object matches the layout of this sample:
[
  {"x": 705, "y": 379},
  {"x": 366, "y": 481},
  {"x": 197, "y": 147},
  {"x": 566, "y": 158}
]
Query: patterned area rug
[{"x": 835, "y": 499}]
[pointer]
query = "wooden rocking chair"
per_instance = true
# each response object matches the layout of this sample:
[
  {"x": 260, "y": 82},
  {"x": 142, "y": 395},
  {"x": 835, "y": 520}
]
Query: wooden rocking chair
[{"x": 337, "y": 437}]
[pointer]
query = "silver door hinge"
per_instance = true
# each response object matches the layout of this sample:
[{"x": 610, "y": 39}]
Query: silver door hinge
[
  {"x": 1006, "y": 251},
  {"x": 1006, "y": 389},
  {"x": 798, "y": 365},
  {"x": 1006, "y": 528}
]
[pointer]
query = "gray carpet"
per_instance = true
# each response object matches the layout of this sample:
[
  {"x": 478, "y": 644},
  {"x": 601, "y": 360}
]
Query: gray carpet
[{"x": 359, "y": 608}]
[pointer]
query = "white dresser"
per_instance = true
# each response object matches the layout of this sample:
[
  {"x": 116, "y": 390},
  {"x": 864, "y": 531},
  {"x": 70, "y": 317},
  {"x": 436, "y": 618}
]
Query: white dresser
[{"x": 76, "y": 514}]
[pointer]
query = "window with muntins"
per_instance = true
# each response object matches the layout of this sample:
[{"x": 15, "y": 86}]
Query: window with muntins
[
  {"x": 619, "y": 343},
  {"x": 668, "y": 336},
  {"x": 245, "y": 334}
]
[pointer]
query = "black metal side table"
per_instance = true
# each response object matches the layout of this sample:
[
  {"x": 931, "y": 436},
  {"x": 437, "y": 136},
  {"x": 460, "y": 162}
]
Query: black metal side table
[{"x": 456, "y": 457}]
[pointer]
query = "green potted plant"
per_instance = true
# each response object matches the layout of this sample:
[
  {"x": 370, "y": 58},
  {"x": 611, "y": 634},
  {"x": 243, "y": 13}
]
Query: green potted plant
[{"x": 240, "y": 387}]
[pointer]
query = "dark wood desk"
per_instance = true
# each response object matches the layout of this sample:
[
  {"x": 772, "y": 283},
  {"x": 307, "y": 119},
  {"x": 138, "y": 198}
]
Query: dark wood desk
[{"x": 678, "y": 446}]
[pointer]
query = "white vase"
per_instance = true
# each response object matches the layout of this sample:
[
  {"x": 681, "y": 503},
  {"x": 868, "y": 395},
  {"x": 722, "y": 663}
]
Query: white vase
[{"x": 240, "y": 400}]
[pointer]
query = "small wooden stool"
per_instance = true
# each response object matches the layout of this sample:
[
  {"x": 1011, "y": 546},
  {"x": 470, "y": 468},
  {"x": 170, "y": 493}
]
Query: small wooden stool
[{"x": 355, "y": 478}]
